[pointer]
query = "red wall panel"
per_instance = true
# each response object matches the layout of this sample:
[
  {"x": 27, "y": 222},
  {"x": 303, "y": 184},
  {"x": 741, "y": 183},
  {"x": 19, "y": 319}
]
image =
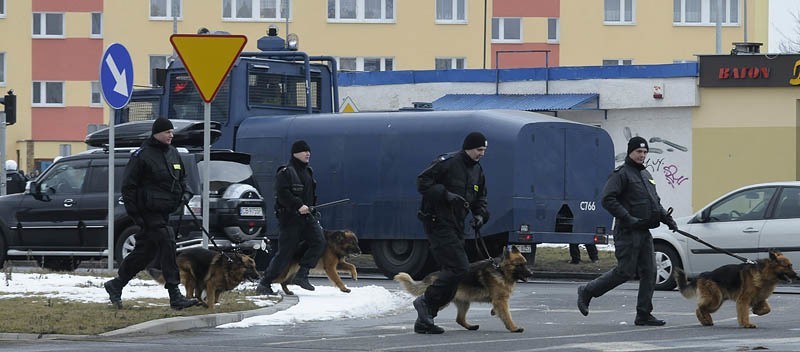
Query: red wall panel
[
  {"x": 67, "y": 6},
  {"x": 71, "y": 59},
  {"x": 522, "y": 60},
  {"x": 63, "y": 124},
  {"x": 526, "y": 8}
]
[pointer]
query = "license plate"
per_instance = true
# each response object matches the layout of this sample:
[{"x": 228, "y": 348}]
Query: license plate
[
  {"x": 251, "y": 211},
  {"x": 523, "y": 248}
]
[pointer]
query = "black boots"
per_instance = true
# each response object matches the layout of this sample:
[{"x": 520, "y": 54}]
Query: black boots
[
  {"x": 265, "y": 289},
  {"x": 177, "y": 301},
  {"x": 424, "y": 323},
  {"x": 648, "y": 320},
  {"x": 301, "y": 279},
  {"x": 583, "y": 300},
  {"x": 114, "y": 289}
]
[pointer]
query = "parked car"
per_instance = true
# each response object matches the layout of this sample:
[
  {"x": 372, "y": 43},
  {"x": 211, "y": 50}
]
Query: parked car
[
  {"x": 61, "y": 218},
  {"x": 748, "y": 222}
]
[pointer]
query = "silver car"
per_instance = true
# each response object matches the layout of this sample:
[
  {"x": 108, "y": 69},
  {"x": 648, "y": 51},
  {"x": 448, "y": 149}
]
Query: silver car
[{"x": 748, "y": 222}]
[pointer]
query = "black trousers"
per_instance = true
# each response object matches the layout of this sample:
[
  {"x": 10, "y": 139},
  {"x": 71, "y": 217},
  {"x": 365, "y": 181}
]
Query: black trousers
[
  {"x": 154, "y": 242},
  {"x": 295, "y": 230},
  {"x": 447, "y": 247},
  {"x": 635, "y": 255},
  {"x": 575, "y": 252}
]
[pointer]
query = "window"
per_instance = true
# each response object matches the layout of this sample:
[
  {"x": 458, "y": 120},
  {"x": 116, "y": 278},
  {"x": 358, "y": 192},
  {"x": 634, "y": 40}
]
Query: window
[
  {"x": 48, "y": 93},
  {"x": 367, "y": 64},
  {"x": 788, "y": 204},
  {"x": 282, "y": 90},
  {"x": 552, "y": 30},
  {"x": 361, "y": 10},
  {"x": 745, "y": 205},
  {"x": 157, "y": 61},
  {"x": 48, "y": 24},
  {"x": 96, "y": 100},
  {"x": 618, "y": 11},
  {"x": 451, "y": 11},
  {"x": 66, "y": 177},
  {"x": 2, "y": 69},
  {"x": 165, "y": 9},
  {"x": 449, "y": 63},
  {"x": 704, "y": 12},
  {"x": 2, "y": 8},
  {"x": 255, "y": 9},
  {"x": 185, "y": 101},
  {"x": 97, "y": 25},
  {"x": 506, "y": 29},
  {"x": 617, "y": 62}
]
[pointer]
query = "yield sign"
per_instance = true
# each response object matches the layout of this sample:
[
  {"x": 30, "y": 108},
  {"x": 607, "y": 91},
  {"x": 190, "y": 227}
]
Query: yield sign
[{"x": 208, "y": 58}]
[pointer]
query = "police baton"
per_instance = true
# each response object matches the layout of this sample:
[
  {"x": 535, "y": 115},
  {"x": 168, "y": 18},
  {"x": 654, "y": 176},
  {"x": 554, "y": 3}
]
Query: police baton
[{"x": 314, "y": 208}]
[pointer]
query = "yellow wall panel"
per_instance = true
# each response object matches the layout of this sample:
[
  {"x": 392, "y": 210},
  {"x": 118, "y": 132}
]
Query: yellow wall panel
[
  {"x": 77, "y": 24},
  {"x": 534, "y": 29},
  {"x": 77, "y": 93},
  {"x": 747, "y": 107}
]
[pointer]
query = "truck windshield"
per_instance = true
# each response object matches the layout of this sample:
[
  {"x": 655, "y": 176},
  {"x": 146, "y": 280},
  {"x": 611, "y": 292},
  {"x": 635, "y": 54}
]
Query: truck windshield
[
  {"x": 287, "y": 91},
  {"x": 187, "y": 104}
]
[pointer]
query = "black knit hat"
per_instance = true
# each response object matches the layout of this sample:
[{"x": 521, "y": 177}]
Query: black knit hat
[
  {"x": 636, "y": 143},
  {"x": 474, "y": 140},
  {"x": 300, "y": 146},
  {"x": 162, "y": 124}
]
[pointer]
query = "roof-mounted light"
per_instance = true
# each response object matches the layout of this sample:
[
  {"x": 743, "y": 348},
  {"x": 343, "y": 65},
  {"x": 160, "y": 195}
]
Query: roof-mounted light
[{"x": 292, "y": 41}]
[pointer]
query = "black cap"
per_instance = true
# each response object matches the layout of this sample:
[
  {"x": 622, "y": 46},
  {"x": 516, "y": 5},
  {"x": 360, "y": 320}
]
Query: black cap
[
  {"x": 636, "y": 143},
  {"x": 162, "y": 124},
  {"x": 300, "y": 146},
  {"x": 474, "y": 140}
]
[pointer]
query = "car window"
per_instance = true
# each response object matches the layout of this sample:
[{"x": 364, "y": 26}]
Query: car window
[
  {"x": 98, "y": 178},
  {"x": 224, "y": 173},
  {"x": 65, "y": 178},
  {"x": 745, "y": 205},
  {"x": 788, "y": 206}
]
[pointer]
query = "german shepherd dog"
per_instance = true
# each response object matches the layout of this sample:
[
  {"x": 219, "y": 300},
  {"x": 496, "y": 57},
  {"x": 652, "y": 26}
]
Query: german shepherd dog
[
  {"x": 340, "y": 244},
  {"x": 483, "y": 283},
  {"x": 748, "y": 284},
  {"x": 204, "y": 270}
]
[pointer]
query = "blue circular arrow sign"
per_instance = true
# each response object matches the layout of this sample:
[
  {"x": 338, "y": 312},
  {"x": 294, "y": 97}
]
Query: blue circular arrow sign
[{"x": 116, "y": 76}]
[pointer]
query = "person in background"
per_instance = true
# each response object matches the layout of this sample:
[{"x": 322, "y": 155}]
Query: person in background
[{"x": 15, "y": 180}]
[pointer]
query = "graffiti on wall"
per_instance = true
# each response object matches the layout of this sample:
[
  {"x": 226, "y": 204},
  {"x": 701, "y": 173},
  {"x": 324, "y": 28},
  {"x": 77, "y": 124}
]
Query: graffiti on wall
[{"x": 659, "y": 149}]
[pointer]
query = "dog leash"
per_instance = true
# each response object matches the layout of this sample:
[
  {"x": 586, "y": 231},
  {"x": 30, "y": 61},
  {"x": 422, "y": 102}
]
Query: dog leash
[
  {"x": 478, "y": 237},
  {"x": 210, "y": 238},
  {"x": 709, "y": 245}
]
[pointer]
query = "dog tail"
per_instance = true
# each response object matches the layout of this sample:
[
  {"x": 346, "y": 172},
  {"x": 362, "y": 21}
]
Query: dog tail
[
  {"x": 688, "y": 290},
  {"x": 416, "y": 288},
  {"x": 157, "y": 275}
]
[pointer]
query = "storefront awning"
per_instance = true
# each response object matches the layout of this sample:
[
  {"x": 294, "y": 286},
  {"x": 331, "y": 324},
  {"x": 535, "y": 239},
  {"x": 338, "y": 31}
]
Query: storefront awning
[{"x": 527, "y": 102}]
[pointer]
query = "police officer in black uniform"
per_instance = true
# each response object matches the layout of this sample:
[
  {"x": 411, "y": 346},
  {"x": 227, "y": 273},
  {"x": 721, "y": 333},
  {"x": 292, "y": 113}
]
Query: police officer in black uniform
[
  {"x": 450, "y": 188},
  {"x": 154, "y": 186},
  {"x": 15, "y": 180},
  {"x": 295, "y": 192},
  {"x": 630, "y": 196}
]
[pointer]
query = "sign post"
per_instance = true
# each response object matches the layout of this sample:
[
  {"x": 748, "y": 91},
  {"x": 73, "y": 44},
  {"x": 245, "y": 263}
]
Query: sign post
[
  {"x": 208, "y": 59},
  {"x": 116, "y": 84}
]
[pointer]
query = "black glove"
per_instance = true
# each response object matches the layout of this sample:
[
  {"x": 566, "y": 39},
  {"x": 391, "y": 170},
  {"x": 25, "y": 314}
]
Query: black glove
[
  {"x": 477, "y": 222},
  {"x": 456, "y": 200},
  {"x": 186, "y": 197},
  {"x": 671, "y": 223}
]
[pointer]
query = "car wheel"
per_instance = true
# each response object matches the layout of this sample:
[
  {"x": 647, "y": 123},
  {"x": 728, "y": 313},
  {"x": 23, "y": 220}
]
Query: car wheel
[
  {"x": 125, "y": 243},
  {"x": 58, "y": 263},
  {"x": 666, "y": 261},
  {"x": 409, "y": 256}
]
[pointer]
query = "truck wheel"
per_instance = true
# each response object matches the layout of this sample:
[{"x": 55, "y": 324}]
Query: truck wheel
[
  {"x": 125, "y": 243},
  {"x": 666, "y": 261},
  {"x": 409, "y": 256},
  {"x": 58, "y": 263}
]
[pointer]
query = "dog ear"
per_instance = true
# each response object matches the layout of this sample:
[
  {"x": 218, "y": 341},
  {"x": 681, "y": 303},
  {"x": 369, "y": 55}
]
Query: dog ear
[{"x": 773, "y": 254}]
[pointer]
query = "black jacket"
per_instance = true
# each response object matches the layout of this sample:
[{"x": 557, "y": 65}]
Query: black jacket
[
  {"x": 630, "y": 196},
  {"x": 15, "y": 182},
  {"x": 457, "y": 174},
  {"x": 154, "y": 179},
  {"x": 294, "y": 187}
]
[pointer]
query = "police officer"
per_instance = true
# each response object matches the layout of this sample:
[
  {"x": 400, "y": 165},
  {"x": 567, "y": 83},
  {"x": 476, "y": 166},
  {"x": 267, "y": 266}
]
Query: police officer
[
  {"x": 154, "y": 186},
  {"x": 450, "y": 188},
  {"x": 295, "y": 192},
  {"x": 630, "y": 196},
  {"x": 15, "y": 180}
]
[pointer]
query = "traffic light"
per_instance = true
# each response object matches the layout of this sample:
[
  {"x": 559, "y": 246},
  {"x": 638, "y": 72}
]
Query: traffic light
[{"x": 10, "y": 101}]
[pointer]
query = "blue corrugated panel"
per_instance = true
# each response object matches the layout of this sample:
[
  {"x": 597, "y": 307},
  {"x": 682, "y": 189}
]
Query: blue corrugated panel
[{"x": 527, "y": 102}]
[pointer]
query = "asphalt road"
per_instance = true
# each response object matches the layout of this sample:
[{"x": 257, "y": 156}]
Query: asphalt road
[{"x": 546, "y": 309}]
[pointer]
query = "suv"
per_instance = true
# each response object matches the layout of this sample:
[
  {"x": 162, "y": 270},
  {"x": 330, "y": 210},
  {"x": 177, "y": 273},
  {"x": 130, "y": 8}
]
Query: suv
[{"x": 61, "y": 218}]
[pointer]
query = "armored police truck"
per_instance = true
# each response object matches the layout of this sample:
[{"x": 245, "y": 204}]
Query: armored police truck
[{"x": 544, "y": 174}]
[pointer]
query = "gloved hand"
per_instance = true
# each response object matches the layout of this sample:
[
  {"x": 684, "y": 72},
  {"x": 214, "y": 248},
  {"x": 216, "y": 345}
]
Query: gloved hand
[
  {"x": 456, "y": 200},
  {"x": 634, "y": 222},
  {"x": 186, "y": 197},
  {"x": 671, "y": 223},
  {"x": 477, "y": 222}
]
